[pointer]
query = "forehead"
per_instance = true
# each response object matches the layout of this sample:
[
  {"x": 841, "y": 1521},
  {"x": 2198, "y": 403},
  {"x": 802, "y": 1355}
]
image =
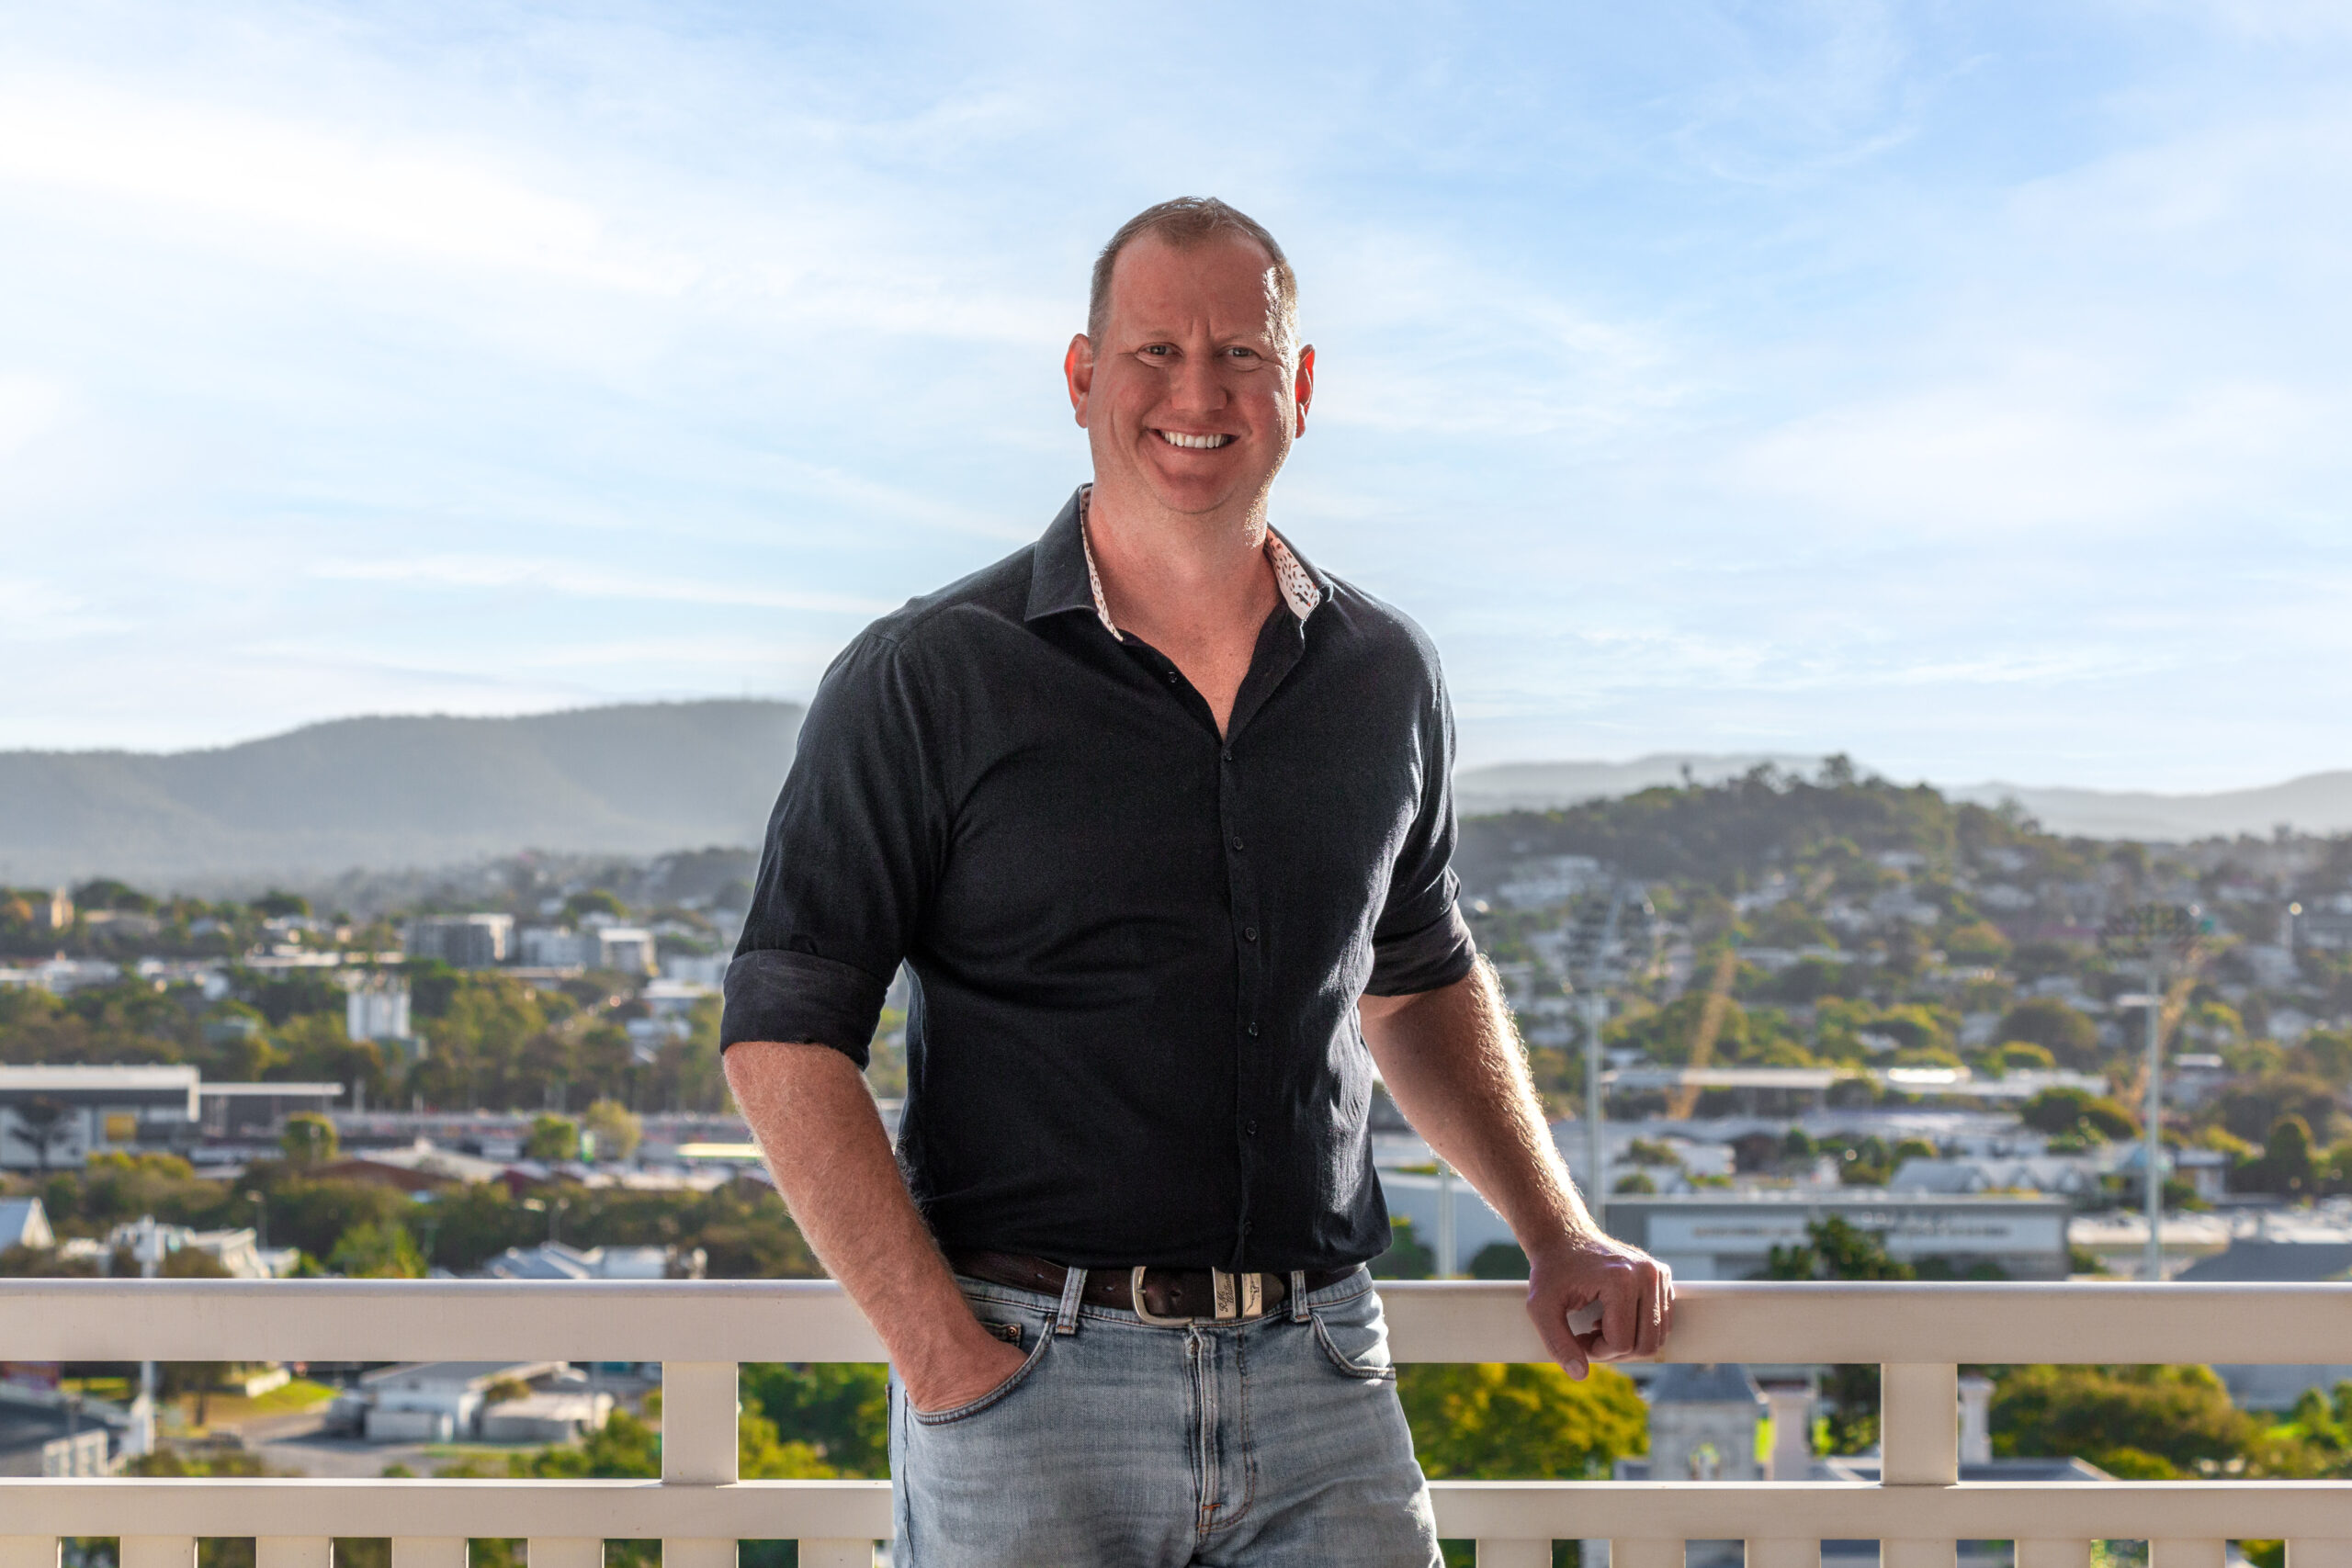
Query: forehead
[{"x": 1226, "y": 280}]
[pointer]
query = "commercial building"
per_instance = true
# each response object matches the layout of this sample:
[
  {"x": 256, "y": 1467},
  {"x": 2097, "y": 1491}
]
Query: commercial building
[
  {"x": 1730, "y": 1236},
  {"x": 463, "y": 941}
]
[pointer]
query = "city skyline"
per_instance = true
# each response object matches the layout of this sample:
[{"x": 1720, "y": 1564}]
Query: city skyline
[{"x": 1946, "y": 389}]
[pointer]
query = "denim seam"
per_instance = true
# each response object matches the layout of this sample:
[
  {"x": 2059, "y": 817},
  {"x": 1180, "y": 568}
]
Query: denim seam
[
  {"x": 1351, "y": 1367},
  {"x": 993, "y": 1397}
]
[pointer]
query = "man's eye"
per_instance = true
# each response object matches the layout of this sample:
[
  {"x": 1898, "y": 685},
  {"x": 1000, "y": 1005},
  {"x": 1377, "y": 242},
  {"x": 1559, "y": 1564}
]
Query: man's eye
[{"x": 1158, "y": 349}]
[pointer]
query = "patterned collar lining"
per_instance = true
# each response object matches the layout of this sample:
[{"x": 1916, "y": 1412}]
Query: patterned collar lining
[{"x": 1299, "y": 588}]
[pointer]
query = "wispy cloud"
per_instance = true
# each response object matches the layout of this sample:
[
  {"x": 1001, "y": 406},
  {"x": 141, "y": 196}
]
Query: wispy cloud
[{"x": 560, "y": 577}]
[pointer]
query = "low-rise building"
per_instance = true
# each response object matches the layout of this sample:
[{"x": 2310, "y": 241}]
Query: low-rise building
[
  {"x": 1730, "y": 1236},
  {"x": 463, "y": 941},
  {"x": 432, "y": 1402}
]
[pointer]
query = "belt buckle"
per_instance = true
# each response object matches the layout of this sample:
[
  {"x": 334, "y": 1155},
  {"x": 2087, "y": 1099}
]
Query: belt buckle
[{"x": 1236, "y": 1296}]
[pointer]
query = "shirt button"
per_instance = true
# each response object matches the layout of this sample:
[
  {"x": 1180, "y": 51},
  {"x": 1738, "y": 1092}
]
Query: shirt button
[
  {"x": 1248, "y": 933},
  {"x": 1237, "y": 844},
  {"x": 1229, "y": 756},
  {"x": 1174, "y": 677},
  {"x": 1250, "y": 1128},
  {"x": 1253, "y": 1029}
]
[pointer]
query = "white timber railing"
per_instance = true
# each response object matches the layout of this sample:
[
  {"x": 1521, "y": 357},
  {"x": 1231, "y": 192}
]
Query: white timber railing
[{"x": 1919, "y": 1334}]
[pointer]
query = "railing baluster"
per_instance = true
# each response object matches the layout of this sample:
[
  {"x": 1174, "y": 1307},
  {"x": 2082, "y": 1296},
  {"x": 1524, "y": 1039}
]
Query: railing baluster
[
  {"x": 2057, "y": 1555},
  {"x": 1784, "y": 1555},
  {"x": 156, "y": 1552},
  {"x": 836, "y": 1554},
  {"x": 699, "y": 1400},
  {"x": 429, "y": 1552},
  {"x": 1646, "y": 1553},
  {"x": 28, "y": 1552},
  {"x": 1919, "y": 1423},
  {"x": 2311, "y": 1553},
  {"x": 564, "y": 1552},
  {"x": 1515, "y": 1554},
  {"x": 294, "y": 1552},
  {"x": 2188, "y": 1554}
]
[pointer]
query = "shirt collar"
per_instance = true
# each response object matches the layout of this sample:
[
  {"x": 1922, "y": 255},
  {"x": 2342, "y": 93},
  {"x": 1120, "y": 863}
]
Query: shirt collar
[{"x": 1054, "y": 586}]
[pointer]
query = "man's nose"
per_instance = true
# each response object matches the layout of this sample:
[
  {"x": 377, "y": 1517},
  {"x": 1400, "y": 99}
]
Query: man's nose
[{"x": 1197, "y": 388}]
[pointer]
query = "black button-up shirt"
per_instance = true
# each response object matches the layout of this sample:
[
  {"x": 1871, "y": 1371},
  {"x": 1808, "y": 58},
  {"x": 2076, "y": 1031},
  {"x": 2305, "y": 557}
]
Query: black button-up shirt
[{"x": 1136, "y": 947}]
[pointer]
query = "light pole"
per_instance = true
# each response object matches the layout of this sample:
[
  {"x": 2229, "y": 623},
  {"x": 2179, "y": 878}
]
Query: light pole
[{"x": 2153, "y": 933}]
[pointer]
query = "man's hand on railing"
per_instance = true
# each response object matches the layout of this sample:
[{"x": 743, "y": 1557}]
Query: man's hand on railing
[{"x": 1632, "y": 1292}]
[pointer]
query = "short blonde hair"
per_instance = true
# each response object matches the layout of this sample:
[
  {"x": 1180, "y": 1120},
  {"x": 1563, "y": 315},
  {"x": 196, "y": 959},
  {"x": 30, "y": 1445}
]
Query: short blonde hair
[{"x": 1186, "y": 222}]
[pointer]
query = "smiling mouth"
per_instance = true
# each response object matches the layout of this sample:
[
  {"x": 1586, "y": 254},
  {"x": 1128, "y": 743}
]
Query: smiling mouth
[{"x": 1193, "y": 443}]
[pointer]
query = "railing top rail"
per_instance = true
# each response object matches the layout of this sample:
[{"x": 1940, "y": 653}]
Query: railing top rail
[{"x": 202, "y": 1320}]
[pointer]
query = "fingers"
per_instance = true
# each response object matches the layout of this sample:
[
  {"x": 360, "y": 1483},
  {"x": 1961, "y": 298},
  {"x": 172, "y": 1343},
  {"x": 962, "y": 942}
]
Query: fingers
[
  {"x": 1566, "y": 1346},
  {"x": 1620, "y": 1310},
  {"x": 1657, "y": 1295}
]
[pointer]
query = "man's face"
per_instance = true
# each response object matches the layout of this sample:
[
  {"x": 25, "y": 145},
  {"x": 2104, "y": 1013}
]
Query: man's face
[{"x": 1188, "y": 396}]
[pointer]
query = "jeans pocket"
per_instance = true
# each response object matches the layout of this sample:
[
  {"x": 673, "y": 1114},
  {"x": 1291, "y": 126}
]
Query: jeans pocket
[
  {"x": 1354, "y": 1336},
  {"x": 994, "y": 1396}
]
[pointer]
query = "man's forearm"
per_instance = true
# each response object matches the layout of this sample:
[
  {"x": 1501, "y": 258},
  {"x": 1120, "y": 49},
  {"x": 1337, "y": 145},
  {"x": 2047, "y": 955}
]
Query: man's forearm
[
  {"x": 1453, "y": 1062},
  {"x": 824, "y": 1142}
]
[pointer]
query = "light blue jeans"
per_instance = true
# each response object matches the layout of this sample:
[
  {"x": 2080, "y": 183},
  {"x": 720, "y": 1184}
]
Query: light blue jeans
[{"x": 1273, "y": 1443}]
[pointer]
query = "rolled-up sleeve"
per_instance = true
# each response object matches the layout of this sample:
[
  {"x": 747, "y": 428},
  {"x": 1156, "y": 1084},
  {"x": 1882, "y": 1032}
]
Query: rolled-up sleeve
[
  {"x": 1420, "y": 942},
  {"x": 850, "y": 858}
]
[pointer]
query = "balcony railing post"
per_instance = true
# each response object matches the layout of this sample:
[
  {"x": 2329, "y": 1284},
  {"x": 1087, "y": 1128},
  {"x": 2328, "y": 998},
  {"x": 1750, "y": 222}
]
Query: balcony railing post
[
  {"x": 836, "y": 1554},
  {"x": 2057, "y": 1555},
  {"x": 699, "y": 1405},
  {"x": 1784, "y": 1555},
  {"x": 156, "y": 1552},
  {"x": 564, "y": 1552},
  {"x": 1646, "y": 1553},
  {"x": 1514, "y": 1554},
  {"x": 294, "y": 1552},
  {"x": 28, "y": 1552},
  {"x": 429, "y": 1552},
  {"x": 1918, "y": 1427}
]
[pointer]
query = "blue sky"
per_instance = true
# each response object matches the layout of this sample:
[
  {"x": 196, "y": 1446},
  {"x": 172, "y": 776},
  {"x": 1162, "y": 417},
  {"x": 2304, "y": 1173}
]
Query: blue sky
[{"x": 1958, "y": 385}]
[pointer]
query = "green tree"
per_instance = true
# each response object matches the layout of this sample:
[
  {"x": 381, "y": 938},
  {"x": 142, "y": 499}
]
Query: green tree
[
  {"x": 2063, "y": 1110},
  {"x": 1408, "y": 1257},
  {"x": 308, "y": 1138},
  {"x": 377, "y": 1251},
  {"x": 1495, "y": 1421},
  {"x": 2287, "y": 1164},
  {"x": 838, "y": 1411},
  {"x": 2177, "y": 1416},
  {"x": 2065, "y": 1033},
  {"x": 1979, "y": 942},
  {"x": 552, "y": 1139},
  {"x": 617, "y": 1131},
  {"x": 1500, "y": 1260}
]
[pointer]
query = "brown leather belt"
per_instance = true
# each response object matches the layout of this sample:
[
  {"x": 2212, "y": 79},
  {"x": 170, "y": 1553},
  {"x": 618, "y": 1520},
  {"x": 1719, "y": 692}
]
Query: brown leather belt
[{"x": 1170, "y": 1295}]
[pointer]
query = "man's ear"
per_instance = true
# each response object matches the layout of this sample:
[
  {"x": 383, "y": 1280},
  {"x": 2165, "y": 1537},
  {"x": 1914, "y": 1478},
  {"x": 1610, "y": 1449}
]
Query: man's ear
[
  {"x": 1078, "y": 369},
  {"x": 1303, "y": 387}
]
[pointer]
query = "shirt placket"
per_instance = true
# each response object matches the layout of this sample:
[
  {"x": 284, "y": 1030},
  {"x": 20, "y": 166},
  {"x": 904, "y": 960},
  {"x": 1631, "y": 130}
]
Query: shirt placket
[{"x": 1249, "y": 940}]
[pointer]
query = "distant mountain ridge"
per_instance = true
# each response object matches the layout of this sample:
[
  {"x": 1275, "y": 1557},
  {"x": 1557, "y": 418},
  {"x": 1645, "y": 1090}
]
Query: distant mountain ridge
[
  {"x": 386, "y": 793},
  {"x": 410, "y": 791},
  {"x": 2315, "y": 803}
]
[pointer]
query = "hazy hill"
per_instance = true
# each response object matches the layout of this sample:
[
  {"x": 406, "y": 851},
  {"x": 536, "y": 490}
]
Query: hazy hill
[
  {"x": 1549, "y": 786},
  {"x": 2316, "y": 802},
  {"x": 636, "y": 779}
]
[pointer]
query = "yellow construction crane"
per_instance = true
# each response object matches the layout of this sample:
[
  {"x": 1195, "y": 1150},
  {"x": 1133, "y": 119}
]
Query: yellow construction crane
[{"x": 1685, "y": 1098}]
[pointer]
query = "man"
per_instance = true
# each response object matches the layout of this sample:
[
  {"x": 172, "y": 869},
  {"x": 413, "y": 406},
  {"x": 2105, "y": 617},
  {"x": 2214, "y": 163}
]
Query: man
[{"x": 1155, "y": 812}]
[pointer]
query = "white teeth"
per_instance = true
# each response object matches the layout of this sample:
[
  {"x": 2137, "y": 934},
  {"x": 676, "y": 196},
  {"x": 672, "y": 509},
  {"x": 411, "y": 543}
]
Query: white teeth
[{"x": 1193, "y": 443}]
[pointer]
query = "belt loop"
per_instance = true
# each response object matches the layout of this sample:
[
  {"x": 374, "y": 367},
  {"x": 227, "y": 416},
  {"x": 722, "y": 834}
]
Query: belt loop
[
  {"x": 1298, "y": 1295},
  {"x": 1073, "y": 1288}
]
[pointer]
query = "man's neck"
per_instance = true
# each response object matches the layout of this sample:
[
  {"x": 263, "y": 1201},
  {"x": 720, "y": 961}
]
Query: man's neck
[{"x": 1178, "y": 580}]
